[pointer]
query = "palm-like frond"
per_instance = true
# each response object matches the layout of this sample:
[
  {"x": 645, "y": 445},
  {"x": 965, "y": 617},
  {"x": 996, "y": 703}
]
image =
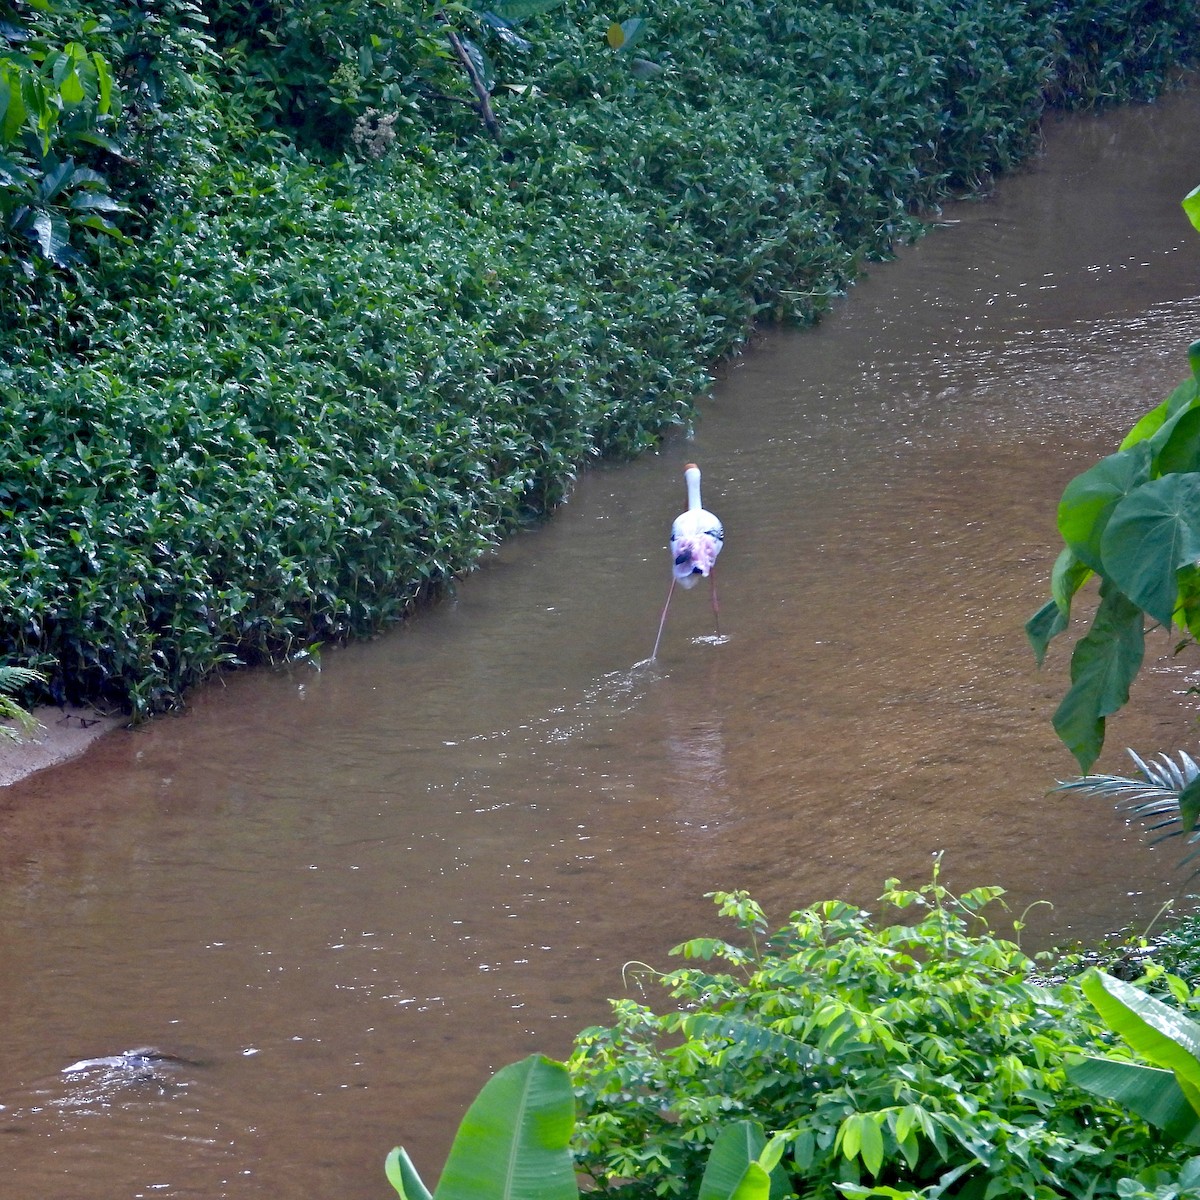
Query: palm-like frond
[
  {"x": 11, "y": 679},
  {"x": 1153, "y": 797}
]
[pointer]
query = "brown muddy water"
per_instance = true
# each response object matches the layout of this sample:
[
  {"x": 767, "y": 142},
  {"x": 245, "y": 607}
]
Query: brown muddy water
[{"x": 346, "y": 896}]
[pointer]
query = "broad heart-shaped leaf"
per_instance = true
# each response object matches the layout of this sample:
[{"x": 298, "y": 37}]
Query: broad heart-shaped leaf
[
  {"x": 1103, "y": 666},
  {"x": 402, "y": 1175},
  {"x": 514, "y": 1142},
  {"x": 1089, "y": 499},
  {"x": 1149, "y": 1027},
  {"x": 733, "y": 1169},
  {"x": 1151, "y": 1092},
  {"x": 1150, "y": 535}
]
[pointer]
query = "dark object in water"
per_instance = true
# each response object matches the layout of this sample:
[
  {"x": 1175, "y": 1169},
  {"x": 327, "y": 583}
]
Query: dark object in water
[{"x": 144, "y": 1060}]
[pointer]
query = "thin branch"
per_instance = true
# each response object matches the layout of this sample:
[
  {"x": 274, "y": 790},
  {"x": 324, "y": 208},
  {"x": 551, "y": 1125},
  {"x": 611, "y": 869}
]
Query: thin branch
[{"x": 483, "y": 106}]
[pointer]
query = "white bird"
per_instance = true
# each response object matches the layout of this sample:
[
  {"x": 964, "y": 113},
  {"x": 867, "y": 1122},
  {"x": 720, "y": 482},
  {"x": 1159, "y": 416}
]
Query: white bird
[{"x": 696, "y": 540}]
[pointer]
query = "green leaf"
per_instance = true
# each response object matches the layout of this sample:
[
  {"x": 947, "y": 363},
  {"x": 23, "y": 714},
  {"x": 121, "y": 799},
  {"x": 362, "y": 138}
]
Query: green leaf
[
  {"x": 755, "y": 1184},
  {"x": 104, "y": 81},
  {"x": 626, "y": 35},
  {"x": 643, "y": 68},
  {"x": 53, "y": 236},
  {"x": 1149, "y": 536},
  {"x": 1066, "y": 578},
  {"x": 1191, "y": 206},
  {"x": 402, "y": 1175},
  {"x": 71, "y": 89},
  {"x": 1180, "y": 447},
  {"x": 505, "y": 33},
  {"x": 1103, "y": 666},
  {"x": 480, "y": 61},
  {"x": 1149, "y": 1027},
  {"x": 1147, "y": 426},
  {"x": 1089, "y": 499},
  {"x": 518, "y": 10},
  {"x": 1189, "y": 806},
  {"x": 872, "y": 1144},
  {"x": 849, "y": 1136},
  {"x": 1045, "y": 625},
  {"x": 733, "y": 1169},
  {"x": 1151, "y": 1092},
  {"x": 514, "y": 1142},
  {"x": 15, "y": 112}
]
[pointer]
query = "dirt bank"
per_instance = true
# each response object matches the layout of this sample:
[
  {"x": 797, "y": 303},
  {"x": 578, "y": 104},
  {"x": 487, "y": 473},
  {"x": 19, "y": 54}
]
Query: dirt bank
[{"x": 61, "y": 734}]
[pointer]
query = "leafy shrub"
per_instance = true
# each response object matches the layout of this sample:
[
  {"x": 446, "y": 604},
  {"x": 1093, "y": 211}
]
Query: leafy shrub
[
  {"x": 58, "y": 105},
  {"x": 916, "y": 1059},
  {"x": 1106, "y": 51}
]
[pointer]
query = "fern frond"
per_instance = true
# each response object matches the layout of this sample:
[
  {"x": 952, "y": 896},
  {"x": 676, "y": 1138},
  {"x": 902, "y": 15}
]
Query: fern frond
[{"x": 1152, "y": 797}]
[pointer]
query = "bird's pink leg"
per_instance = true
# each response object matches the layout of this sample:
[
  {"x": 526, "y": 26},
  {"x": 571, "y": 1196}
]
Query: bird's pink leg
[
  {"x": 712, "y": 592},
  {"x": 663, "y": 621}
]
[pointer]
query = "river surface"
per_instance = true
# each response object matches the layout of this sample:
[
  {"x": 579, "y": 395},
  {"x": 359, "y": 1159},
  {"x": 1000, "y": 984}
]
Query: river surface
[{"x": 345, "y": 896}]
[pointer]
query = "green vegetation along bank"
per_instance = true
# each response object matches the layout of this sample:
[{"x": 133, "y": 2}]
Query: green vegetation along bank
[
  {"x": 844, "y": 1057},
  {"x": 303, "y": 306}
]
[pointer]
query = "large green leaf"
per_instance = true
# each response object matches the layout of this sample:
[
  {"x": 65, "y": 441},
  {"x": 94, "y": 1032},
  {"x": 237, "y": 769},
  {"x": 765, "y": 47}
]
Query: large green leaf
[
  {"x": 1149, "y": 536},
  {"x": 514, "y": 1142},
  {"x": 1151, "y": 1092},
  {"x": 1089, "y": 499},
  {"x": 1160, "y": 1034},
  {"x": 733, "y": 1171},
  {"x": 1103, "y": 666}
]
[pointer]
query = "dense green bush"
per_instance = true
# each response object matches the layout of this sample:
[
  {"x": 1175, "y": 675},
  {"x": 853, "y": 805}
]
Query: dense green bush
[
  {"x": 909, "y": 1060},
  {"x": 325, "y": 372}
]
